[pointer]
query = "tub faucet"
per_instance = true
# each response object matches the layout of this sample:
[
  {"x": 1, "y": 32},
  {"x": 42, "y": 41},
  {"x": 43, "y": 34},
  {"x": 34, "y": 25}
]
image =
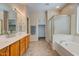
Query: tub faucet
[{"x": 62, "y": 41}]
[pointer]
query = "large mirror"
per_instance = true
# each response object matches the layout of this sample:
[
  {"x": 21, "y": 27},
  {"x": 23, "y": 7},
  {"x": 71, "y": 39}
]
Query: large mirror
[
  {"x": 7, "y": 19},
  {"x": 12, "y": 21},
  {"x": 7, "y": 22}
]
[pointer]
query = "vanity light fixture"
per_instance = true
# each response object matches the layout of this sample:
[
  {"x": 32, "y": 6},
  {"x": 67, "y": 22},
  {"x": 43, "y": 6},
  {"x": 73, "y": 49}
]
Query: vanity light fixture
[
  {"x": 14, "y": 9},
  {"x": 47, "y": 4},
  {"x": 57, "y": 7}
]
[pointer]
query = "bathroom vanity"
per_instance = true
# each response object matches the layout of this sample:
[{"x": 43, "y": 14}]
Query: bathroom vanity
[
  {"x": 12, "y": 43},
  {"x": 14, "y": 46}
]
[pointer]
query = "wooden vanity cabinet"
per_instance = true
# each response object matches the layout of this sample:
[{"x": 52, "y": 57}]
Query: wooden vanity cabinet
[
  {"x": 17, "y": 48},
  {"x": 22, "y": 46},
  {"x": 4, "y": 51},
  {"x": 14, "y": 49}
]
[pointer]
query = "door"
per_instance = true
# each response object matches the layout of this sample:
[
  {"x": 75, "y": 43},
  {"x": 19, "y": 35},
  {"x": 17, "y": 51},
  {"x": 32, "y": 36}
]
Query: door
[
  {"x": 4, "y": 51},
  {"x": 22, "y": 46},
  {"x": 14, "y": 49}
]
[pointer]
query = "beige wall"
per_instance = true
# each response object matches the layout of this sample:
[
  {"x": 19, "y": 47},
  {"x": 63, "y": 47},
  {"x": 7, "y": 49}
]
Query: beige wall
[
  {"x": 35, "y": 19},
  {"x": 68, "y": 9},
  {"x": 34, "y": 22},
  {"x": 51, "y": 13},
  {"x": 73, "y": 24}
]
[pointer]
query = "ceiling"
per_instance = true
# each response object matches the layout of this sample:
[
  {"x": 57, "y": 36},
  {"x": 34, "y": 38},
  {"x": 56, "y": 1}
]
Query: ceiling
[{"x": 33, "y": 7}]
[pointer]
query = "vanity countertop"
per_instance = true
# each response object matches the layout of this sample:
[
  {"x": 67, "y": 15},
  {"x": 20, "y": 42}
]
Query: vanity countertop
[{"x": 4, "y": 41}]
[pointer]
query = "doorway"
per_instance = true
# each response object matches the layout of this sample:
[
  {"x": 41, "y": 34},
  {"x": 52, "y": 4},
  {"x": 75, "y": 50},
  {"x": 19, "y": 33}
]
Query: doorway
[{"x": 41, "y": 32}]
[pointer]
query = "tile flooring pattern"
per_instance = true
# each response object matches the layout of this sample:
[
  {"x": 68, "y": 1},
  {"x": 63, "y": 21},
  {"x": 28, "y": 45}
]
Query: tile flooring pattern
[{"x": 40, "y": 48}]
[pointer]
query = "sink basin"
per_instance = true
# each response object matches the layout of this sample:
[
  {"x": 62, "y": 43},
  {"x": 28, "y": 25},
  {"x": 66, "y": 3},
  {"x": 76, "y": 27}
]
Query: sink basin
[
  {"x": 2, "y": 36},
  {"x": 7, "y": 36},
  {"x": 10, "y": 35}
]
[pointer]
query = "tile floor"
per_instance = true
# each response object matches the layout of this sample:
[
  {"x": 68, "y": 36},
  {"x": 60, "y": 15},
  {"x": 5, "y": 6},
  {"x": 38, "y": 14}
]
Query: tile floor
[{"x": 40, "y": 48}]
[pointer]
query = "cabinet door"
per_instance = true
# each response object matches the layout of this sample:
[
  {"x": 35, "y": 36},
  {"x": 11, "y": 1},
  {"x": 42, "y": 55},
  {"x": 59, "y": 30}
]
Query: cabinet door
[
  {"x": 4, "y": 51},
  {"x": 22, "y": 46},
  {"x": 27, "y": 41},
  {"x": 7, "y": 51},
  {"x": 14, "y": 49}
]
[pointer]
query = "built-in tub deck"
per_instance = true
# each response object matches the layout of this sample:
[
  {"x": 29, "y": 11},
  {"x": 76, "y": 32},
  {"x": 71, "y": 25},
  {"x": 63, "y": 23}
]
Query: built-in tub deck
[{"x": 66, "y": 45}]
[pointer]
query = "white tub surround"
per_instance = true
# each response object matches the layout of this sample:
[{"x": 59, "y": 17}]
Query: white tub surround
[
  {"x": 66, "y": 45},
  {"x": 4, "y": 41}
]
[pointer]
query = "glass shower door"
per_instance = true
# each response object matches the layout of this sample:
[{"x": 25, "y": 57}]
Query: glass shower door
[
  {"x": 50, "y": 30},
  {"x": 62, "y": 24}
]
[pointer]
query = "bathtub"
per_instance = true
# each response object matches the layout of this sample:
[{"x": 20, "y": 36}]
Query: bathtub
[
  {"x": 66, "y": 46},
  {"x": 71, "y": 47}
]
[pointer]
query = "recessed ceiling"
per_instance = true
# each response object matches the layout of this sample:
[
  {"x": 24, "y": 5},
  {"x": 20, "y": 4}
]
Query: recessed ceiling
[{"x": 43, "y": 6}]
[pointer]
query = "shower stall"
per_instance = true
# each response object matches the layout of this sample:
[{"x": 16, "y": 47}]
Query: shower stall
[{"x": 59, "y": 24}]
